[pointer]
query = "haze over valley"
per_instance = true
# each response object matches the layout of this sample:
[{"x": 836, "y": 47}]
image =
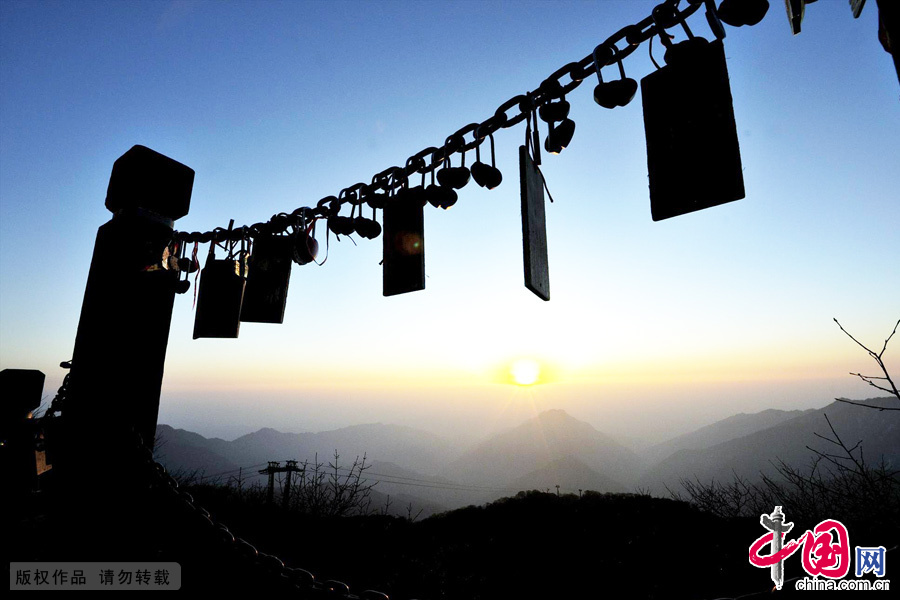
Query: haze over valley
[{"x": 435, "y": 473}]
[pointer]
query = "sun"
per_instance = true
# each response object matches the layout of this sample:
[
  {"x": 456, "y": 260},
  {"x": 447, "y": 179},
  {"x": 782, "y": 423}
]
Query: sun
[{"x": 525, "y": 371}]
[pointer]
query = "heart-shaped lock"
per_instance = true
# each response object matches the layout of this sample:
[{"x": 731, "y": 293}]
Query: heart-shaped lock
[
  {"x": 453, "y": 177},
  {"x": 364, "y": 228},
  {"x": 440, "y": 196},
  {"x": 374, "y": 229},
  {"x": 606, "y": 95},
  {"x": 487, "y": 176},
  {"x": 450, "y": 176},
  {"x": 553, "y": 112},
  {"x": 340, "y": 225},
  {"x": 433, "y": 194},
  {"x": 305, "y": 247},
  {"x": 686, "y": 51},
  {"x": 742, "y": 12},
  {"x": 610, "y": 94},
  {"x": 559, "y": 136},
  {"x": 372, "y": 196}
]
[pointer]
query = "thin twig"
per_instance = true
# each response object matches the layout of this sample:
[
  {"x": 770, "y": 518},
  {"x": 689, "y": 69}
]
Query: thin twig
[
  {"x": 880, "y": 361},
  {"x": 865, "y": 405}
]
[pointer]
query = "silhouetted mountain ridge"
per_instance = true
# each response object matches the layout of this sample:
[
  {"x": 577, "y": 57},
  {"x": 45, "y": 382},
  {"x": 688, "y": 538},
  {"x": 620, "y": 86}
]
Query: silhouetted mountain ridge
[
  {"x": 726, "y": 429},
  {"x": 550, "y": 449},
  {"x": 748, "y": 456}
]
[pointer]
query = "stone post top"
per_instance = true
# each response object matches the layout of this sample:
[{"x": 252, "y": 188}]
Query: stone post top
[
  {"x": 145, "y": 179},
  {"x": 21, "y": 389}
]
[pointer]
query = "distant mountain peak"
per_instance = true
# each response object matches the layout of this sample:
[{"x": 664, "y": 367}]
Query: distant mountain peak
[
  {"x": 555, "y": 414},
  {"x": 539, "y": 441}
]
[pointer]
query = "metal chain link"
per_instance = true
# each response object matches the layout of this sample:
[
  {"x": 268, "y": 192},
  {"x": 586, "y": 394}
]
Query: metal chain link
[
  {"x": 284, "y": 577},
  {"x": 58, "y": 402},
  {"x": 663, "y": 16}
]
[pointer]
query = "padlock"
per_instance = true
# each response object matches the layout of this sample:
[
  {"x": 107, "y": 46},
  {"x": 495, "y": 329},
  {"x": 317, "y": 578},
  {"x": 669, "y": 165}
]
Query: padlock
[
  {"x": 304, "y": 245},
  {"x": 220, "y": 296},
  {"x": 743, "y": 12},
  {"x": 487, "y": 176},
  {"x": 371, "y": 194},
  {"x": 453, "y": 177},
  {"x": 554, "y": 112},
  {"x": 439, "y": 196},
  {"x": 367, "y": 228},
  {"x": 268, "y": 277},
  {"x": 693, "y": 156},
  {"x": 618, "y": 92},
  {"x": 559, "y": 136}
]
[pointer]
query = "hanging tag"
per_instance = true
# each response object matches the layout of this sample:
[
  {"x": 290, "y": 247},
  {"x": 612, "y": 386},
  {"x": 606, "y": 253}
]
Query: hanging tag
[
  {"x": 404, "y": 245},
  {"x": 268, "y": 276},
  {"x": 692, "y": 147},
  {"x": 534, "y": 227},
  {"x": 219, "y": 298}
]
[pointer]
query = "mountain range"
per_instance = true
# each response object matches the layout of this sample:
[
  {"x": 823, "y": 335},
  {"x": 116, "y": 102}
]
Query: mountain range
[{"x": 549, "y": 450}]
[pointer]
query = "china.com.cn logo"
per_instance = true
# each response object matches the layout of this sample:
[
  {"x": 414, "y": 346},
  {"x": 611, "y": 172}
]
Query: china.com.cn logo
[{"x": 825, "y": 551}]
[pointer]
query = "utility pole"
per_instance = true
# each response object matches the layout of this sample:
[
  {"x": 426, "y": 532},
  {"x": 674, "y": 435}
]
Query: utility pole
[
  {"x": 274, "y": 467},
  {"x": 290, "y": 466}
]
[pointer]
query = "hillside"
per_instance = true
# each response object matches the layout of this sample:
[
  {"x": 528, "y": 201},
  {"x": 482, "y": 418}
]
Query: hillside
[
  {"x": 727, "y": 429},
  {"x": 406, "y": 447},
  {"x": 750, "y": 455},
  {"x": 570, "y": 474},
  {"x": 551, "y": 436}
]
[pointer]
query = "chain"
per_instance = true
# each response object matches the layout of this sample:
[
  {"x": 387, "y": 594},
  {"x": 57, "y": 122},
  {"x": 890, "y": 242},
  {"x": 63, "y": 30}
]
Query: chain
[
  {"x": 273, "y": 568},
  {"x": 285, "y": 578},
  {"x": 383, "y": 184},
  {"x": 59, "y": 400}
]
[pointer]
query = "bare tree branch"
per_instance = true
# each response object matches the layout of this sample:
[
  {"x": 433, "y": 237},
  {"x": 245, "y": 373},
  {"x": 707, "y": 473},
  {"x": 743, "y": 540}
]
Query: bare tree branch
[
  {"x": 845, "y": 401},
  {"x": 878, "y": 358}
]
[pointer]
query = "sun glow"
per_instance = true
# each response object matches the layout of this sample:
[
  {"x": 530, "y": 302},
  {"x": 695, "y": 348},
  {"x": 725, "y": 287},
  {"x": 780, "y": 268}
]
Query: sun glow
[{"x": 525, "y": 371}]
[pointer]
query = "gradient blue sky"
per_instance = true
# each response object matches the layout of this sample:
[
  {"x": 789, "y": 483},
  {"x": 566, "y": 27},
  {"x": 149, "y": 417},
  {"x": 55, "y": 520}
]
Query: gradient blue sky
[{"x": 653, "y": 329}]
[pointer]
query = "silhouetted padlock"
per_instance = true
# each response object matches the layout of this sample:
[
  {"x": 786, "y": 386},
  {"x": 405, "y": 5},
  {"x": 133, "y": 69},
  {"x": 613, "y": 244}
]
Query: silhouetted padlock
[
  {"x": 693, "y": 155},
  {"x": 268, "y": 276},
  {"x": 617, "y": 92},
  {"x": 220, "y": 296},
  {"x": 742, "y": 12},
  {"x": 487, "y": 176},
  {"x": 450, "y": 176}
]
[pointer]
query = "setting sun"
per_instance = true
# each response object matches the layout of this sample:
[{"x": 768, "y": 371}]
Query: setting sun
[{"x": 525, "y": 371}]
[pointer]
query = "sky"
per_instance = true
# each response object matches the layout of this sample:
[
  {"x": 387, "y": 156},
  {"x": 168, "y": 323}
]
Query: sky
[{"x": 653, "y": 328}]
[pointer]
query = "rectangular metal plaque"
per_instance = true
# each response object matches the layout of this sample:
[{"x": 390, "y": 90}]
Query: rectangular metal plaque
[
  {"x": 404, "y": 247},
  {"x": 268, "y": 277},
  {"x": 534, "y": 227},
  {"x": 219, "y": 300},
  {"x": 692, "y": 147}
]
